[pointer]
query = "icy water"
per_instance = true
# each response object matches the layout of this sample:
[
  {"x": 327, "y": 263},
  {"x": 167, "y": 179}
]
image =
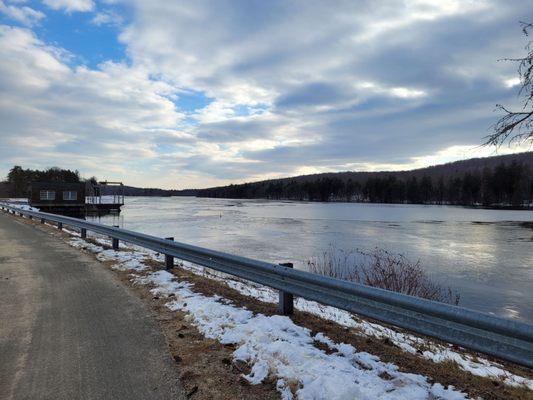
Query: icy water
[{"x": 486, "y": 255}]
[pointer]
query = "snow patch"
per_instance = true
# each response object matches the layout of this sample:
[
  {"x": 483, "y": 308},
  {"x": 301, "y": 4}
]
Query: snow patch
[
  {"x": 133, "y": 259},
  {"x": 407, "y": 342},
  {"x": 275, "y": 346},
  {"x": 125, "y": 260},
  {"x": 21, "y": 205}
]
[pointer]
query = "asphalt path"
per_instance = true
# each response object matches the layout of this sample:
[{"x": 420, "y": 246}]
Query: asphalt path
[{"x": 69, "y": 329}]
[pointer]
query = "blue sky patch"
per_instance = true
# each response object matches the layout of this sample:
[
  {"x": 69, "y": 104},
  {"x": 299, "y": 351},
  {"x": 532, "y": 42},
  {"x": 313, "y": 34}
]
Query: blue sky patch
[
  {"x": 191, "y": 101},
  {"x": 89, "y": 44}
]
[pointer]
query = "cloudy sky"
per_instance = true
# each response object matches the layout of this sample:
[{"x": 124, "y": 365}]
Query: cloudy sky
[{"x": 195, "y": 94}]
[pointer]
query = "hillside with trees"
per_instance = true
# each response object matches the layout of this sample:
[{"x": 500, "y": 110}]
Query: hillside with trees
[
  {"x": 19, "y": 179},
  {"x": 492, "y": 181},
  {"x": 500, "y": 181}
]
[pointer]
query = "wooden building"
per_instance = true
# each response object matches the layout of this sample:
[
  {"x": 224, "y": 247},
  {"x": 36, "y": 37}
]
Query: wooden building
[{"x": 58, "y": 197}]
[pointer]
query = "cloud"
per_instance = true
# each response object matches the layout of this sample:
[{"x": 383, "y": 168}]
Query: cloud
[
  {"x": 426, "y": 77},
  {"x": 282, "y": 87},
  {"x": 71, "y": 5},
  {"x": 107, "y": 17},
  {"x": 106, "y": 120},
  {"x": 25, "y": 15}
]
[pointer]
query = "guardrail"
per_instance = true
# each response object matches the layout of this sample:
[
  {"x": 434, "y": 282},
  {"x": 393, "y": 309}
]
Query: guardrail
[{"x": 499, "y": 337}]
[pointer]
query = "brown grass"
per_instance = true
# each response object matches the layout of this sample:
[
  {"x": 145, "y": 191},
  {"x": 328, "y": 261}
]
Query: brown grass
[
  {"x": 208, "y": 371},
  {"x": 382, "y": 269},
  {"x": 447, "y": 373}
]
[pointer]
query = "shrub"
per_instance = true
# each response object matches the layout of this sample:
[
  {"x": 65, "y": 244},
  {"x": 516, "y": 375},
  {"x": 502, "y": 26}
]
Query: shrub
[{"x": 382, "y": 269}]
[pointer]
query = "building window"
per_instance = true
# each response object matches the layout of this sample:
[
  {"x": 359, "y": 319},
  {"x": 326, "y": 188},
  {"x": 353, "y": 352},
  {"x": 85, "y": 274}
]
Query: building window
[
  {"x": 47, "y": 195},
  {"x": 70, "y": 195}
]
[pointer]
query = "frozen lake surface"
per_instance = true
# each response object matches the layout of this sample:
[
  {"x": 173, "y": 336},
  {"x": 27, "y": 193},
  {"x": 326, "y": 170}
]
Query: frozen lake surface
[{"x": 486, "y": 255}]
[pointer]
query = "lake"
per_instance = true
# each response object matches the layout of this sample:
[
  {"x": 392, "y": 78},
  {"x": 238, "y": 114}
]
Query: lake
[{"x": 486, "y": 255}]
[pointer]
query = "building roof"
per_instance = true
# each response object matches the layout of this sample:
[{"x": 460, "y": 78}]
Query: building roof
[{"x": 57, "y": 185}]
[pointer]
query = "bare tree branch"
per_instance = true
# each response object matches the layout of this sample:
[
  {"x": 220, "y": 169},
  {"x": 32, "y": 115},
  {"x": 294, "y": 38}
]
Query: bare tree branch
[{"x": 517, "y": 126}]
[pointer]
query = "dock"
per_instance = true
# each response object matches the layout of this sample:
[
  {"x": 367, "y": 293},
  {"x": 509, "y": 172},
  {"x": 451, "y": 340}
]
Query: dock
[{"x": 77, "y": 199}]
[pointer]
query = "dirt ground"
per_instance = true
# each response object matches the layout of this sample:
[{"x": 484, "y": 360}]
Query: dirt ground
[{"x": 209, "y": 372}]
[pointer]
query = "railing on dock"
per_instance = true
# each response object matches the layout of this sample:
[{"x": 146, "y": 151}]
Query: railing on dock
[{"x": 499, "y": 337}]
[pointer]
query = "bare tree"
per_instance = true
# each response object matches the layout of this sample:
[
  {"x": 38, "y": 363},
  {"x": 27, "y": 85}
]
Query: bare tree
[{"x": 517, "y": 126}]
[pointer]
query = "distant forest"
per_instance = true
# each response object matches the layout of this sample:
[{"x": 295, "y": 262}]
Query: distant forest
[
  {"x": 19, "y": 179},
  {"x": 501, "y": 181},
  {"x": 493, "y": 181}
]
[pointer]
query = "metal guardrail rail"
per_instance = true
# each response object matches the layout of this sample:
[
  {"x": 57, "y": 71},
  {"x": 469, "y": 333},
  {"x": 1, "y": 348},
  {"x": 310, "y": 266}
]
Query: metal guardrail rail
[{"x": 499, "y": 337}]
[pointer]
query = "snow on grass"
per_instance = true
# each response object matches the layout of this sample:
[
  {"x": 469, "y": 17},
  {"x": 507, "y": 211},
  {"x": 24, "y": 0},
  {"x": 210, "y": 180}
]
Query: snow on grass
[
  {"x": 21, "y": 204},
  {"x": 125, "y": 260},
  {"x": 407, "y": 342},
  {"x": 26, "y": 207},
  {"x": 132, "y": 258},
  {"x": 275, "y": 346}
]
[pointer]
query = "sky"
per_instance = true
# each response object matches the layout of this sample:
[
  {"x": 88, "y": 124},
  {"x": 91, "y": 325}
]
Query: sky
[{"x": 200, "y": 93}]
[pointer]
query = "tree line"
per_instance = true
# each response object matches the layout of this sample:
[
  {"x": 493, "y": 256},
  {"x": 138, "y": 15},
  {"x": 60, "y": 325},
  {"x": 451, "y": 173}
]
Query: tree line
[
  {"x": 503, "y": 185},
  {"x": 20, "y": 179}
]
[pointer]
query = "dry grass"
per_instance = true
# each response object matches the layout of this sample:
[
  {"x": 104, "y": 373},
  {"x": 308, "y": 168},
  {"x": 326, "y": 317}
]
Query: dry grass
[
  {"x": 381, "y": 269},
  {"x": 209, "y": 372}
]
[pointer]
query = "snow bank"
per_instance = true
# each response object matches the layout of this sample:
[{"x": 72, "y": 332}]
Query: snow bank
[
  {"x": 125, "y": 260},
  {"x": 274, "y": 345},
  {"x": 21, "y": 205},
  {"x": 407, "y": 342},
  {"x": 133, "y": 259}
]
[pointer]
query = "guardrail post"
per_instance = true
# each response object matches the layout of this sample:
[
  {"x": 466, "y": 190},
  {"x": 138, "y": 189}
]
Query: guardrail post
[
  {"x": 286, "y": 300},
  {"x": 169, "y": 260},
  {"x": 42, "y": 220},
  {"x": 30, "y": 217},
  {"x": 83, "y": 233},
  {"x": 60, "y": 225},
  {"x": 114, "y": 241}
]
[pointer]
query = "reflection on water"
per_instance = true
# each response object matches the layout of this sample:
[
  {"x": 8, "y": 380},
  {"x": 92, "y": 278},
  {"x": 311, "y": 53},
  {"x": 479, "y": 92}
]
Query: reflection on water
[
  {"x": 487, "y": 255},
  {"x": 107, "y": 219}
]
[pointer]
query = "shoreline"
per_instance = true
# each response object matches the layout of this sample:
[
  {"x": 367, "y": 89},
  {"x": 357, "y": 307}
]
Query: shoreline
[{"x": 323, "y": 328}]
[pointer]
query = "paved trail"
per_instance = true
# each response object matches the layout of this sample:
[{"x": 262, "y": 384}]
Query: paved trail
[{"x": 70, "y": 330}]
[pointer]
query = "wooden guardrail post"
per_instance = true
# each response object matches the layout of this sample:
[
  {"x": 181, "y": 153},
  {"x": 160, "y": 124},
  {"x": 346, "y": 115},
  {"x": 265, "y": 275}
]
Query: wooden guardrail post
[
  {"x": 60, "y": 225},
  {"x": 83, "y": 233},
  {"x": 169, "y": 260},
  {"x": 286, "y": 300},
  {"x": 42, "y": 220}
]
